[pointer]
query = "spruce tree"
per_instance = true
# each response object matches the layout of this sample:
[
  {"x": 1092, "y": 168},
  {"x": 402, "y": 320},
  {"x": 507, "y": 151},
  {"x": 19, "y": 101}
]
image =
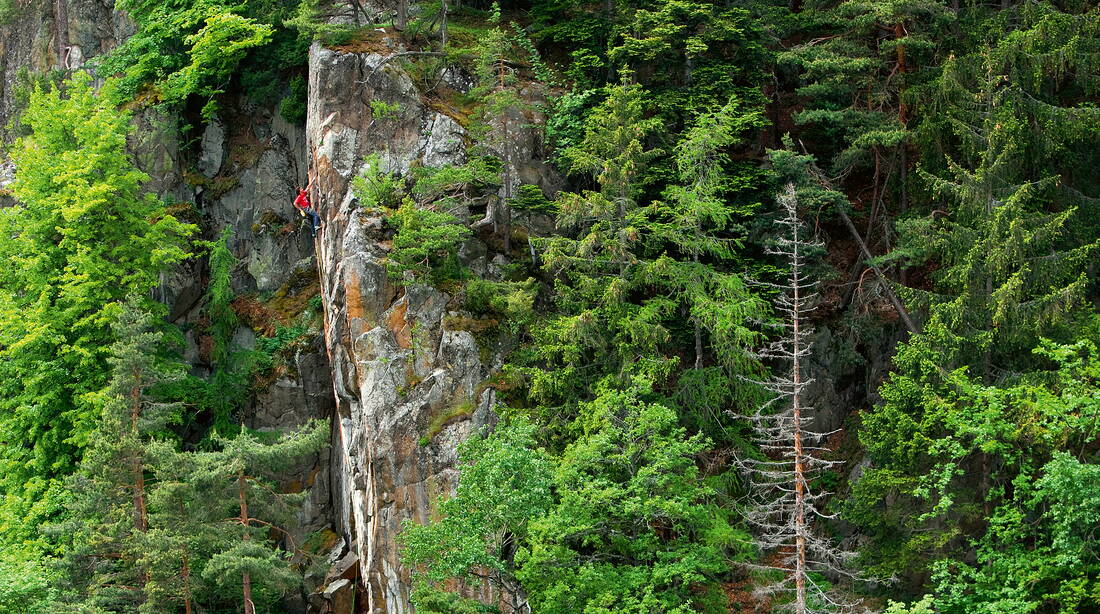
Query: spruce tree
[
  {"x": 226, "y": 386},
  {"x": 786, "y": 502},
  {"x": 1009, "y": 236},
  {"x": 700, "y": 232},
  {"x": 108, "y": 500}
]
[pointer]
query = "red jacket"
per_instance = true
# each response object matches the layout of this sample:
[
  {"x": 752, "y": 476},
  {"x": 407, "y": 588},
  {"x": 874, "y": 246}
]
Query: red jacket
[{"x": 302, "y": 201}]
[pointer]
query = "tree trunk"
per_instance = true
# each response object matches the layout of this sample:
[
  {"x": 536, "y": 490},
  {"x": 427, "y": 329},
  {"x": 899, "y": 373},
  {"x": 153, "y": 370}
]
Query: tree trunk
[
  {"x": 698, "y": 332},
  {"x": 796, "y": 422},
  {"x": 401, "y": 20},
  {"x": 443, "y": 28},
  {"x": 900, "y": 67},
  {"x": 61, "y": 25},
  {"x": 185, "y": 572},
  {"x": 141, "y": 523}
]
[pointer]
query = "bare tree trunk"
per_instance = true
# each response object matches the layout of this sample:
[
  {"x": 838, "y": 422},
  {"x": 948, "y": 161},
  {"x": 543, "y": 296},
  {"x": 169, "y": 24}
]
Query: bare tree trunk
[
  {"x": 796, "y": 423},
  {"x": 443, "y": 28},
  {"x": 785, "y": 504},
  {"x": 401, "y": 20}
]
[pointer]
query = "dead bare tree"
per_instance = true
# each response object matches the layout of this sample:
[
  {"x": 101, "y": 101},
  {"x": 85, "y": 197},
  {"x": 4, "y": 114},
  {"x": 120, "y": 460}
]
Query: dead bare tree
[{"x": 783, "y": 504}]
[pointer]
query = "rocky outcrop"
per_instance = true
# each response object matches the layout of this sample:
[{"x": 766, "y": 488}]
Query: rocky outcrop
[
  {"x": 409, "y": 384},
  {"x": 396, "y": 365}
]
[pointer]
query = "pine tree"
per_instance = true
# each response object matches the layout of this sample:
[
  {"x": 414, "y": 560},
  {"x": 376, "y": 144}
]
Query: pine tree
[
  {"x": 229, "y": 493},
  {"x": 1009, "y": 235},
  {"x": 109, "y": 498},
  {"x": 786, "y": 505},
  {"x": 498, "y": 90}
]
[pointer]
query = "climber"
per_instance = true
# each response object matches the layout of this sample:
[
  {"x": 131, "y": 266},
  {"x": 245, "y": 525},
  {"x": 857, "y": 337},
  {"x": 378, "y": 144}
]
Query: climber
[{"x": 302, "y": 204}]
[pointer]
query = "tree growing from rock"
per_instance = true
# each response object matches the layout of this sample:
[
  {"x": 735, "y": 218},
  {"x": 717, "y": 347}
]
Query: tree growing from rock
[{"x": 785, "y": 505}]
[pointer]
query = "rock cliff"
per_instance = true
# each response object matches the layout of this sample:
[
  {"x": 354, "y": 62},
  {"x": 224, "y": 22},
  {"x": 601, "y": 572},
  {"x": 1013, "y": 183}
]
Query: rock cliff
[{"x": 409, "y": 387}]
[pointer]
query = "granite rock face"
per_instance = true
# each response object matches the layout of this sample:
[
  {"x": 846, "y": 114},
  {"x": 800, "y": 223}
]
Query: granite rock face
[
  {"x": 410, "y": 385},
  {"x": 396, "y": 365}
]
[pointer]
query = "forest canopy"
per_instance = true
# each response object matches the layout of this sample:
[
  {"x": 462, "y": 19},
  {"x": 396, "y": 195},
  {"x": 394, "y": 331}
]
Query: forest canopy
[{"x": 806, "y": 320}]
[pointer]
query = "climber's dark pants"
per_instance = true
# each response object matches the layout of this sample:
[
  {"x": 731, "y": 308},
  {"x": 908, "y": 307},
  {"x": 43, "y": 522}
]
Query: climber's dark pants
[{"x": 314, "y": 220}]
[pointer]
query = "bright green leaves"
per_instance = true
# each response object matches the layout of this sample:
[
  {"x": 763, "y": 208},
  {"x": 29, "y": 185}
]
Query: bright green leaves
[
  {"x": 506, "y": 481},
  {"x": 966, "y": 443},
  {"x": 613, "y": 148},
  {"x": 188, "y": 48},
  {"x": 425, "y": 241},
  {"x": 83, "y": 238},
  {"x": 629, "y": 518},
  {"x": 215, "y": 51},
  {"x": 616, "y": 523},
  {"x": 1039, "y": 553}
]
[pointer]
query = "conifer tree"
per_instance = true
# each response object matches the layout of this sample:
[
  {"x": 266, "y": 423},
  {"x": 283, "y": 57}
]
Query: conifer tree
[
  {"x": 595, "y": 261},
  {"x": 229, "y": 493},
  {"x": 109, "y": 498},
  {"x": 1011, "y": 235},
  {"x": 704, "y": 231},
  {"x": 497, "y": 88},
  {"x": 786, "y": 505},
  {"x": 1007, "y": 269},
  {"x": 225, "y": 387}
]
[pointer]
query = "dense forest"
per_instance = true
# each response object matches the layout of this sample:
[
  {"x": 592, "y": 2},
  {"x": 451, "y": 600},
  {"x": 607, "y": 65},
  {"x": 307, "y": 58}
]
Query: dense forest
[{"x": 801, "y": 314}]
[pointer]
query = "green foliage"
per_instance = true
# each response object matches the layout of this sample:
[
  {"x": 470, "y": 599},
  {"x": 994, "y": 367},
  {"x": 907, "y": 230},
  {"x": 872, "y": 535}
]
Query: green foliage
[
  {"x": 513, "y": 300},
  {"x": 924, "y": 606},
  {"x": 970, "y": 412},
  {"x": 450, "y": 184},
  {"x": 1039, "y": 553},
  {"x": 425, "y": 246},
  {"x": 375, "y": 188},
  {"x": 625, "y": 274},
  {"x": 942, "y": 426},
  {"x": 207, "y": 545},
  {"x": 227, "y": 384},
  {"x": 84, "y": 237},
  {"x": 311, "y": 25},
  {"x": 293, "y": 107},
  {"x": 24, "y": 586},
  {"x": 616, "y": 522},
  {"x": 856, "y": 78},
  {"x": 194, "y": 47},
  {"x": 9, "y": 11},
  {"x": 108, "y": 499}
]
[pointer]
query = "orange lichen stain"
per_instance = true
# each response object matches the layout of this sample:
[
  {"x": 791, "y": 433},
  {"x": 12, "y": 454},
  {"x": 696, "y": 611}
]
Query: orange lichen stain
[
  {"x": 353, "y": 296},
  {"x": 396, "y": 322}
]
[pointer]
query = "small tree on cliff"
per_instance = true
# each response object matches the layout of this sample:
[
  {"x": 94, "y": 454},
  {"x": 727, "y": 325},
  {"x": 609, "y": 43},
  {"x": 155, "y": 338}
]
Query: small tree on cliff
[{"x": 785, "y": 506}]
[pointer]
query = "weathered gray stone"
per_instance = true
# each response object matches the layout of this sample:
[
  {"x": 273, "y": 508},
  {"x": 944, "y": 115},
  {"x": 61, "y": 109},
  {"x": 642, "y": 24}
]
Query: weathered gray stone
[
  {"x": 212, "y": 148},
  {"x": 395, "y": 365}
]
